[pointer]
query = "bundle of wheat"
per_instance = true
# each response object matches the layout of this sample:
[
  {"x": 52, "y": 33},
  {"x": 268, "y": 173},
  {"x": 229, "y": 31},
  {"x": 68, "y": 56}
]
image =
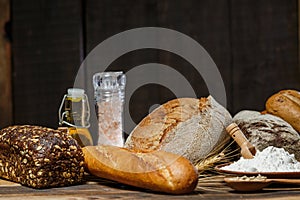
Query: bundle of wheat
[
  {"x": 209, "y": 178},
  {"x": 225, "y": 152}
]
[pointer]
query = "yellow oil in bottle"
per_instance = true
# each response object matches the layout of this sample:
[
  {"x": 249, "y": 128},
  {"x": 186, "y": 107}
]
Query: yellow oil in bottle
[
  {"x": 82, "y": 135},
  {"x": 74, "y": 116}
]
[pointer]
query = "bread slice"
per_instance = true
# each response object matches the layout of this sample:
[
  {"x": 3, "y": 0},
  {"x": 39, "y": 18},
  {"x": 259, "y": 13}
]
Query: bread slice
[{"x": 186, "y": 126}]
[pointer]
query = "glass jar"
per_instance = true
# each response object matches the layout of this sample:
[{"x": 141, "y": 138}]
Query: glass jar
[
  {"x": 74, "y": 115},
  {"x": 109, "y": 95}
]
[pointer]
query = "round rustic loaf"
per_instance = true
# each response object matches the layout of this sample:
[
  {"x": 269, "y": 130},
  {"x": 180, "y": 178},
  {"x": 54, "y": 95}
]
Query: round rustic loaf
[
  {"x": 264, "y": 130},
  {"x": 186, "y": 126},
  {"x": 286, "y": 105}
]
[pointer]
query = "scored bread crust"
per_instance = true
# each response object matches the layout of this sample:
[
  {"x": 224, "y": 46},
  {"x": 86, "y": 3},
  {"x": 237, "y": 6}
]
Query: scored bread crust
[
  {"x": 286, "y": 105},
  {"x": 158, "y": 171},
  {"x": 186, "y": 126},
  {"x": 263, "y": 130}
]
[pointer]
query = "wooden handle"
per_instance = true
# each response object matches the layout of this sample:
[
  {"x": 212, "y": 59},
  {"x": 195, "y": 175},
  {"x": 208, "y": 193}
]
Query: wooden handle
[
  {"x": 285, "y": 181},
  {"x": 247, "y": 149}
]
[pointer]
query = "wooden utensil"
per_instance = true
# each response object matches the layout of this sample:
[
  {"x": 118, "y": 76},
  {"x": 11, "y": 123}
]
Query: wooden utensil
[
  {"x": 255, "y": 185},
  {"x": 247, "y": 149}
]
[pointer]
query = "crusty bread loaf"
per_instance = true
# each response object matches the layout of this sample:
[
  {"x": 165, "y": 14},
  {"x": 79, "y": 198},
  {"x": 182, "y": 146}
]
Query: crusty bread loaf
[
  {"x": 187, "y": 126},
  {"x": 286, "y": 104},
  {"x": 264, "y": 130},
  {"x": 40, "y": 157},
  {"x": 158, "y": 171}
]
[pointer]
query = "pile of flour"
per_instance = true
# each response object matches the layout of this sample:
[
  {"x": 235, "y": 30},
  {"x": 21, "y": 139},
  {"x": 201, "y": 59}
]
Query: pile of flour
[{"x": 271, "y": 159}]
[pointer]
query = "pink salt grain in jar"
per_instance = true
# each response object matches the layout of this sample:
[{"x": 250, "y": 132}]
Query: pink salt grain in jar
[{"x": 109, "y": 88}]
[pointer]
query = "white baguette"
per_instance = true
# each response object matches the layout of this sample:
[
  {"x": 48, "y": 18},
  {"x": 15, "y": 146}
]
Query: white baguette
[{"x": 158, "y": 171}]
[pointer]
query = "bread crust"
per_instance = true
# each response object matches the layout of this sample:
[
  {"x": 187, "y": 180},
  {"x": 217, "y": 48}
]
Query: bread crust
[
  {"x": 186, "y": 126},
  {"x": 40, "y": 157},
  {"x": 263, "y": 130},
  {"x": 158, "y": 171},
  {"x": 286, "y": 105}
]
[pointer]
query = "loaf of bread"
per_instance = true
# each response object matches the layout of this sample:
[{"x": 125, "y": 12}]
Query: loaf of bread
[
  {"x": 264, "y": 130},
  {"x": 40, "y": 157},
  {"x": 186, "y": 126},
  {"x": 286, "y": 104},
  {"x": 157, "y": 171}
]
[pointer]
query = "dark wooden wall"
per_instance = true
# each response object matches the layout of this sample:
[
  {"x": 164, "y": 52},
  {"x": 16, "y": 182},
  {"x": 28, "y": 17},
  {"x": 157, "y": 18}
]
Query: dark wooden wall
[
  {"x": 6, "y": 115},
  {"x": 47, "y": 51},
  {"x": 254, "y": 43}
]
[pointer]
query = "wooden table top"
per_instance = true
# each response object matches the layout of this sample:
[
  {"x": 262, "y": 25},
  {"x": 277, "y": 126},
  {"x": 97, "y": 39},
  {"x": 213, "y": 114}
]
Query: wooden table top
[{"x": 97, "y": 188}]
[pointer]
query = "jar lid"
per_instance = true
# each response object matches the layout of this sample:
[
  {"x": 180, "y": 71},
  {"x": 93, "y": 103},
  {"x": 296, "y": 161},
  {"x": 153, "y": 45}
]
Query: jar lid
[
  {"x": 75, "y": 92},
  {"x": 109, "y": 81}
]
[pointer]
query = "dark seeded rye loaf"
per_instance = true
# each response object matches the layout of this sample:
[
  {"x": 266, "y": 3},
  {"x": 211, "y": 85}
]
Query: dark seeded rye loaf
[
  {"x": 40, "y": 157},
  {"x": 264, "y": 130}
]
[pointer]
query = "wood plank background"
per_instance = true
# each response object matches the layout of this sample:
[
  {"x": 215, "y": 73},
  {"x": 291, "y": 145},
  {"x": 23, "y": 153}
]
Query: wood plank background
[
  {"x": 254, "y": 43},
  {"x": 6, "y": 113},
  {"x": 264, "y": 50},
  {"x": 47, "y": 54}
]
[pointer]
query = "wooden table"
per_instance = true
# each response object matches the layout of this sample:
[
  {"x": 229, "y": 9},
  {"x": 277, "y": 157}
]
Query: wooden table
[{"x": 97, "y": 188}]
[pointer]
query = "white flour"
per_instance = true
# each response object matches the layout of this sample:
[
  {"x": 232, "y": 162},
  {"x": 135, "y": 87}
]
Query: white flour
[{"x": 271, "y": 159}]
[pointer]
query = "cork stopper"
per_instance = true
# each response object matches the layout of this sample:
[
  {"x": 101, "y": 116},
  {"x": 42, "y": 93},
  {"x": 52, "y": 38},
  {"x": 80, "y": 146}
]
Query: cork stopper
[{"x": 247, "y": 149}]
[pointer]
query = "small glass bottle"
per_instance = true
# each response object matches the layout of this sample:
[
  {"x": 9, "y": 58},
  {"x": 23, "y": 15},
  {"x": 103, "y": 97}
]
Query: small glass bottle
[
  {"x": 74, "y": 115},
  {"x": 109, "y": 100}
]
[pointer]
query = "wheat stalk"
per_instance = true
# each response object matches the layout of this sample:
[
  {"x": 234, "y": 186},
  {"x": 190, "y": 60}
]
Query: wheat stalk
[
  {"x": 209, "y": 178},
  {"x": 221, "y": 154}
]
